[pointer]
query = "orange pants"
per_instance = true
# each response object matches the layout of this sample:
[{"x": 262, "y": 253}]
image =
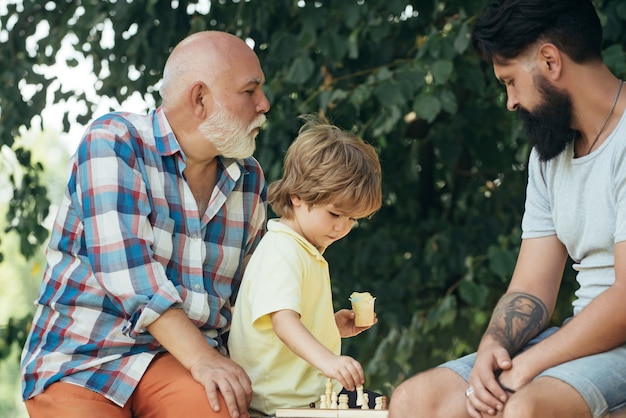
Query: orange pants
[{"x": 166, "y": 390}]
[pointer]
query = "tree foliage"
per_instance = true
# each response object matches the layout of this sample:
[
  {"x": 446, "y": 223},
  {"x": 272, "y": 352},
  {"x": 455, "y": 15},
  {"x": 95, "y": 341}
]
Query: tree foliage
[{"x": 400, "y": 74}]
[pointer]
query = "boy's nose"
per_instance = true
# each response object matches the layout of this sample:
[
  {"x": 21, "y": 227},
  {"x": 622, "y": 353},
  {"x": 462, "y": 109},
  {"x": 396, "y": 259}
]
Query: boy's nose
[{"x": 343, "y": 225}]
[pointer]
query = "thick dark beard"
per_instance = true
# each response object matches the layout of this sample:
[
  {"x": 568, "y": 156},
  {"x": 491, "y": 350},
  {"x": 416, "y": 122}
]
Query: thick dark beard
[{"x": 548, "y": 126}]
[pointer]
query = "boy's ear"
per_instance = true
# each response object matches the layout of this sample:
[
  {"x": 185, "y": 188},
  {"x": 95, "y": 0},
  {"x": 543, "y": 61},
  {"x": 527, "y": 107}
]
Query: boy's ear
[{"x": 295, "y": 200}]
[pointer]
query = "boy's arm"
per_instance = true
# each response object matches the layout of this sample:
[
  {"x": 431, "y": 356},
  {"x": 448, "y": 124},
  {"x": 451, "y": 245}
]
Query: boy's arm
[{"x": 297, "y": 338}]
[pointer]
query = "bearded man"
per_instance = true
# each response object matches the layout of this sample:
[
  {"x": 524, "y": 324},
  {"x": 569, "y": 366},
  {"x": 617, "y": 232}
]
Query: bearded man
[
  {"x": 148, "y": 248},
  {"x": 547, "y": 54}
]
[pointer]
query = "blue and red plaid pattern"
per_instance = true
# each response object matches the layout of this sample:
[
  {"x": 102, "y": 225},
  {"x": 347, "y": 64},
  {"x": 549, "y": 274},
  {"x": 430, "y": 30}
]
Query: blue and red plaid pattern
[{"x": 128, "y": 244}]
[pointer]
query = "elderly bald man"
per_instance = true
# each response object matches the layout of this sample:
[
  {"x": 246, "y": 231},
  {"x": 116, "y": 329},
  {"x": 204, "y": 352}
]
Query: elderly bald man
[{"x": 148, "y": 248}]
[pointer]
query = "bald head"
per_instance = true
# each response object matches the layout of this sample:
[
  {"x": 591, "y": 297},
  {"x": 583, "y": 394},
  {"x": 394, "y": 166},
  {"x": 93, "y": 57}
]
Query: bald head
[{"x": 205, "y": 56}]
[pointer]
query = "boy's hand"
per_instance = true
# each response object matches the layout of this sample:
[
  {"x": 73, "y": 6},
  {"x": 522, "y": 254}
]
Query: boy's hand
[
  {"x": 345, "y": 323},
  {"x": 345, "y": 370}
]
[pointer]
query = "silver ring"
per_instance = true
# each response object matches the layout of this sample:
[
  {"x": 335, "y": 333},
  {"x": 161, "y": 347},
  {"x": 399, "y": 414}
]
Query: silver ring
[{"x": 469, "y": 391}]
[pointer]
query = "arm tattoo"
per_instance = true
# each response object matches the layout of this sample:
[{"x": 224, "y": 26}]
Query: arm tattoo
[{"x": 517, "y": 318}]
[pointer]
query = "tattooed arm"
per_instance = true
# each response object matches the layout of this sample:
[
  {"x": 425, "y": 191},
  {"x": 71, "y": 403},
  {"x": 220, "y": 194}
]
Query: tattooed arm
[
  {"x": 517, "y": 319},
  {"x": 597, "y": 328},
  {"x": 521, "y": 314}
]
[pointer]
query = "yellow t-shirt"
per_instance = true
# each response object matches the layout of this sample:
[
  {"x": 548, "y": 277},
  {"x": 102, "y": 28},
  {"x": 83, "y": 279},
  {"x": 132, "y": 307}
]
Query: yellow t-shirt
[{"x": 285, "y": 272}]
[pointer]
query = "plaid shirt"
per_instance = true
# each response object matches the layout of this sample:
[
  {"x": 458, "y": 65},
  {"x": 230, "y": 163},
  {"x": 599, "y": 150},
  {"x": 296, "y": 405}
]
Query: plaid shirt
[{"x": 127, "y": 245}]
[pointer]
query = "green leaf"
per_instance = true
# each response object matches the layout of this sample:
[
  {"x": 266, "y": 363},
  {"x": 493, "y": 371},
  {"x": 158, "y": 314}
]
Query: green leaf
[
  {"x": 360, "y": 95},
  {"x": 473, "y": 293},
  {"x": 300, "y": 70},
  {"x": 410, "y": 80},
  {"x": 353, "y": 45},
  {"x": 448, "y": 102},
  {"x": 441, "y": 71},
  {"x": 388, "y": 93},
  {"x": 387, "y": 120},
  {"x": 462, "y": 40},
  {"x": 427, "y": 107},
  {"x": 333, "y": 46},
  {"x": 501, "y": 261}
]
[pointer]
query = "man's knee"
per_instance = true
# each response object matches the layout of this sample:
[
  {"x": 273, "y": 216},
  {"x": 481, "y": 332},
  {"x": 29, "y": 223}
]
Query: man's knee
[
  {"x": 436, "y": 392},
  {"x": 168, "y": 389},
  {"x": 407, "y": 391},
  {"x": 546, "y": 397},
  {"x": 520, "y": 406},
  {"x": 402, "y": 393},
  {"x": 179, "y": 399}
]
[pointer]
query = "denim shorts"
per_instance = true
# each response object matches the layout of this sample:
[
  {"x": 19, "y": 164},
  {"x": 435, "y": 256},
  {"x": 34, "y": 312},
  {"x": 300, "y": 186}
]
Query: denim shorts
[{"x": 599, "y": 378}]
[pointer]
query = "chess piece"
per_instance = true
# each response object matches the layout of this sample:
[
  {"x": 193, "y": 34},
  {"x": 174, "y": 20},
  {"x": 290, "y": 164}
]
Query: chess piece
[
  {"x": 329, "y": 389},
  {"x": 323, "y": 404},
  {"x": 333, "y": 401},
  {"x": 343, "y": 402},
  {"x": 383, "y": 402},
  {"x": 366, "y": 401},
  {"x": 359, "y": 395},
  {"x": 378, "y": 402}
]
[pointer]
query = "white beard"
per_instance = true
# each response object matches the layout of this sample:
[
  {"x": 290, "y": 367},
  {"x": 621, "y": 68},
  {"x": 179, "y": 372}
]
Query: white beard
[{"x": 230, "y": 137}]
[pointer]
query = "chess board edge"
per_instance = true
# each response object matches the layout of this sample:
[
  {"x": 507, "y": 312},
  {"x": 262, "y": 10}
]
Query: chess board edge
[{"x": 330, "y": 413}]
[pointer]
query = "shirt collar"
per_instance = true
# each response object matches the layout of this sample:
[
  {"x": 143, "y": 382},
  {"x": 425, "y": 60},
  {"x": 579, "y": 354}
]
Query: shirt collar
[{"x": 275, "y": 225}]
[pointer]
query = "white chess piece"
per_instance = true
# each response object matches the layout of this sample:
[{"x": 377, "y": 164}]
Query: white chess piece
[
  {"x": 343, "y": 402},
  {"x": 323, "y": 404},
  {"x": 329, "y": 389},
  {"x": 359, "y": 395},
  {"x": 379, "y": 402},
  {"x": 366, "y": 401},
  {"x": 333, "y": 400}
]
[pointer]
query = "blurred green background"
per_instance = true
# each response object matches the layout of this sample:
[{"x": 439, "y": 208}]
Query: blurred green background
[{"x": 20, "y": 276}]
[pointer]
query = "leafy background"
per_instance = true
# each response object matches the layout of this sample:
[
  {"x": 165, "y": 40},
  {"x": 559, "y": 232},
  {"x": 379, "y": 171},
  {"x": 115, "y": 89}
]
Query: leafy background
[{"x": 399, "y": 73}]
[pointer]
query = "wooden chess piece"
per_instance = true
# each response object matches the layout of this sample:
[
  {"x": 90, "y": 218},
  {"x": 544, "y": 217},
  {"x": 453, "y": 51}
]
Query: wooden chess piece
[
  {"x": 359, "y": 395},
  {"x": 343, "y": 402},
  {"x": 378, "y": 402},
  {"x": 366, "y": 401},
  {"x": 333, "y": 401}
]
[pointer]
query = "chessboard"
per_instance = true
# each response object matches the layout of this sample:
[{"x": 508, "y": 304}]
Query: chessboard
[{"x": 330, "y": 413}]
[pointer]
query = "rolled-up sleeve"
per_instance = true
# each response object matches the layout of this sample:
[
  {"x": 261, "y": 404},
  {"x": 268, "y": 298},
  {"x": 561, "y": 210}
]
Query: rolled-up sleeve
[{"x": 120, "y": 239}]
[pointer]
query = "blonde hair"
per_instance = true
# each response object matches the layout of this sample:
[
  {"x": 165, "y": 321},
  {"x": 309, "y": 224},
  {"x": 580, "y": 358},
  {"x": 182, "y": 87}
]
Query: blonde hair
[{"x": 327, "y": 165}]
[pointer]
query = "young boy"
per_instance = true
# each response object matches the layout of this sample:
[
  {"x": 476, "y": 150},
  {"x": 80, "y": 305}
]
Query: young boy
[{"x": 285, "y": 333}]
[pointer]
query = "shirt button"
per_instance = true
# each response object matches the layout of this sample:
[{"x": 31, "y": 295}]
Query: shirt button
[{"x": 196, "y": 287}]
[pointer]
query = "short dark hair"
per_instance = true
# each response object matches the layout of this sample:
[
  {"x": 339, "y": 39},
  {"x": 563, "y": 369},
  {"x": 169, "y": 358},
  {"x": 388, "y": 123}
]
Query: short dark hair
[{"x": 506, "y": 28}]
